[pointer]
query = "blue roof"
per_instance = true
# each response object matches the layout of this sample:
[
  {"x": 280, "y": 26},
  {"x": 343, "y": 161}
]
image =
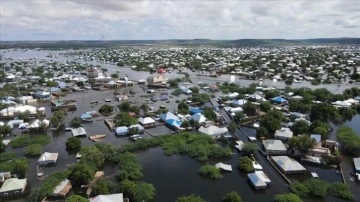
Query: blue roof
[
  {"x": 357, "y": 98},
  {"x": 174, "y": 122},
  {"x": 278, "y": 99},
  {"x": 86, "y": 116},
  {"x": 195, "y": 111}
]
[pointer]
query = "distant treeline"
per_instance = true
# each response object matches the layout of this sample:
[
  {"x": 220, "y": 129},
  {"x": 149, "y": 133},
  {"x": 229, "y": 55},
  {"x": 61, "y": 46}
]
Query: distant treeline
[{"x": 77, "y": 44}]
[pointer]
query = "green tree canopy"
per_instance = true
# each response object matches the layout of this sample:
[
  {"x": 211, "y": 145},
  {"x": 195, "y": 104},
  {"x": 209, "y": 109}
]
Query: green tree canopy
[
  {"x": 20, "y": 168},
  {"x": 92, "y": 155},
  {"x": 106, "y": 109},
  {"x": 73, "y": 143},
  {"x": 265, "y": 106},
  {"x": 232, "y": 197},
  {"x": 137, "y": 191},
  {"x": 250, "y": 148},
  {"x": 249, "y": 109},
  {"x": 183, "y": 108},
  {"x": 81, "y": 174},
  {"x": 300, "y": 127},
  {"x": 246, "y": 165},
  {"x": 190, "y": 198},
  {"x": 210, "y": 114},
  {"x": 124, "y": 119},
  {"x": 287, "y": 198},
  {"x": 302, "y": 143},
  {"x": 76, "y": 198},
  {"x": 75, "y": 122}
]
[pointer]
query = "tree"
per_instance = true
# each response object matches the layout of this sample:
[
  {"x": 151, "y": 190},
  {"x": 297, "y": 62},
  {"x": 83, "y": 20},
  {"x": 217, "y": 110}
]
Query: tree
[
  {"x": 287, "y": 198},
  {"x": 262, "y": 132},
  {"x": 185, "y": 124},
  {"x": 210, "y": 114},
  {"x": 129, "y": 167},
  {"x": 250, "y": 148},
  {"x": 232, "y": 127},
  {"x": 73, "y": 143},
  {"x": 106, "y": 109},
  {"x": 232, "y": 197},
  {"x": 238, "y": 117},
  {"x": 349, "y": 141},
  {"x": 210, "y": 171},
  {"x": 183, "y": 108},
  {"x": 194, "y": 89},
  {"x": 321, "y": 131},
  {"x": 114, "y": 76},
  {"x": 124, "y": 119},
  {"x": 124, "y": 106},
  {"x": 271, "y": 94},
  {"x": 5, "y": 130},
  {"x": 265, "y": 106},
  {"x": 58, "y": 117},
  {"x": 2, "y": 145},
  {"x": 249, "y": 109},
  {"x": 100, "y": 188},
  {"x": 76, "y": 198},
  {"x": 303, "y": 143},
  {"x": 317, "y": 187},
  {"x": 20, "y": 168},
  {"x": 299, "y": 189},
  {"x": 322, "y": 112},
  {"x": 300, "y": 127},
  {"x": 190, "y": 198},
  {"x": 81, "y": 174},
  {"x": 144, "y": 107},
  {"x": 92, "y": 155},
  {"x": 138, "y": 192},
  {"x": 75, "y": 122},
  {"x": 246, "y": 165},
  {"x": 272, "y": 121}
]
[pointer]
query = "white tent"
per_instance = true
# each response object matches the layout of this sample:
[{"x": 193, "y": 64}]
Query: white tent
[
  {"x": 213, "y": 130},
  {"x": 198, "y": 118},
  {"x": 108, "y": 198}
]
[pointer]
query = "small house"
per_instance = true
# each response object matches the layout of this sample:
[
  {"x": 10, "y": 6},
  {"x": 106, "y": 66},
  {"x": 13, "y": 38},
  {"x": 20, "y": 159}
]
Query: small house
[
  {"x": 168, "y": 115},
  {"x": 62, "y": 189},
  {"x": 357, "y": 164},
  {"x": 13, "y": 187},
  {"x": 48, "y": 158},
  {"x": 214, "y": 131},
  {"x": 147, "y": 122},
  {"x": 288, "y": 165},
  {"x": 78, "y": 131},
  {"x": 108, "y": 198},
  {"x": 274, "y": 147},
  {"x": 140, "y": 129},
  {"x": 4, "y": 176},
  {"x": 256, "y": 181},
  {"x": 283, "y": 134},
  {"x": 121, "y": 131}
]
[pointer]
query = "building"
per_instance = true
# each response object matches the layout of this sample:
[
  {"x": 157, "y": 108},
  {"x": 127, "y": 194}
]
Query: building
[
  {"x": 4, "y": 176},
  {"x": 274, "y": 147},
  {"x": 357, "y": 165},
  {"x": 78, "y": 131},
  {"x": 147, "y": 122},
  {"x": 198, "y": 118},
  {"x": 140, "y": 129},
  {"x": 288, "y": 165},
  {"x": 62, "y": 189},
  {"x": 283, "y": 134},
  {"x": 223, "y": 167},
  {"x": 13, "y": 187},
  {"x": 48, "y": 158},
  {"x": 256, "y": 181},
  {"x": 213, "y": 131},
  {"x": 157, "y": 81},
  {"x": 121, "y": 131},
  {"x": 42, "y": 95},
  {"x": 108, "y": 198},
  {"x": 168, "y": 115}
]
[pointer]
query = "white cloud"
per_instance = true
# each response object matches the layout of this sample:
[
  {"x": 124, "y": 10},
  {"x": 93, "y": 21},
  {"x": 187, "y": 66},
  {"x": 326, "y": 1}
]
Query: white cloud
[{"x": 90, "y": 19}]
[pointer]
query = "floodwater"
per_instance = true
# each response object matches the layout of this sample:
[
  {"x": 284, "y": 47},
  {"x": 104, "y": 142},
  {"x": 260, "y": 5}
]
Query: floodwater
[{"x": 172, "y": 176}]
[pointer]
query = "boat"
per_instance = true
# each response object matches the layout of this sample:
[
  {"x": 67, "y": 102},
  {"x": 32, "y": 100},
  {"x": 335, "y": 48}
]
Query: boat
[
  {"x": 96, "y": 138},
  {"x": 68, "y": 129},
  {"x": 94, "y": 102}
]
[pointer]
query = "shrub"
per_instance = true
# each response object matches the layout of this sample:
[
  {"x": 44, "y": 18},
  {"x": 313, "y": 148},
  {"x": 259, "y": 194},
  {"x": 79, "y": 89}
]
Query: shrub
[
  {"x": 73, "y": 143},
  {"x": 34, "y": 150},
  {"x": 76, "y": 198},
  {"x": 129, "y": 167},
  {"x": 75, "y": 122},
  {"x": 299, "y": 189},
  {"x": 340, "y": 190},
  {"x": 210, "y": 171},
  {"x": 6, "y": 156},
  {"x": 190, "y": 198},
  {"x": 350, "y": 142},
  {"x": 26, "y": 140},
  {"x": 106, "y": 109},
  {"x": 317, "y": 188},
  {"x": 246, "y": 165},
  {"x": 232, "y": 197},
  {"x": 287, "y": 198}
]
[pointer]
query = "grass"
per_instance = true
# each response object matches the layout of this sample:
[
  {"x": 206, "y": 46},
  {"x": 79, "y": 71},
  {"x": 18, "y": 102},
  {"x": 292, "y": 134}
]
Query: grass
[{"x": 26, "y": 140}]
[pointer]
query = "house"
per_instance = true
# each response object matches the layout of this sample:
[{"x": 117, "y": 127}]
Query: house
[
  {"x": 288, "y": 165},
  {"x": 213, "y": 131},
  {"x": 43, "y": 95},
  {"x": 168, "y": 115},
  {"x": 13, "y": 187},
  {"x": 357, "y": 164},
  {"x": 48, "y": 158},
  {"x": 121, "y": 131},
  {"x": 278, "y": 100},
  {"x": 140, "y": 129},
  {"x": 4, "y": 176},
  {"x": 224, "y": 167},
  {"x": 256, "y": 181},
  {"x": 147, "y": 122},
  {"x": 62, "y": 189},
  {"x": 198, "y": 118},
  {"x": 283, "y": 134},
  {"x": 78, "y": 131},
  {"x": 274, "y": 147},
  {"x": 157, "y": 81},
  {"x": 108, "y": 198},
  {"x": 174, "y": 123},
  {"x": 239, "y": 102},
  {"x": 195, "y": 110}
]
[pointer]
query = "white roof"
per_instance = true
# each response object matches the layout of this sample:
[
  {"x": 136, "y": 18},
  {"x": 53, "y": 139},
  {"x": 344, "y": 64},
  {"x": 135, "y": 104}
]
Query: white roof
[
  {"x": 263, "y": 176},
  {"x": 284, "y": 132},
  {"x": 274, "y": 145},
  {"x": 213, "y": 130},
  {"x": 288, "y": 164},
  {"x": 256, "y": 180},
  {"x": 108, "y": 198},
  {"x": 13, "y": 184},
  {"x": 167, "y": 116},
  {"x": 357, "y": 163},
  {"x": 223, "y": 166},
  {"x": 47, "y": 156},
  {"x": 146, "y": 120},
  {"x": 78, "y": 131},
  {"x": 198, "y": 117}
]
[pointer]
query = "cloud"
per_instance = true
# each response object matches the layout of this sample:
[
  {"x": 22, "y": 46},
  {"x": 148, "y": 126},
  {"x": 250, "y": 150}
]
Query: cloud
[{"x": 180, "y": 19}]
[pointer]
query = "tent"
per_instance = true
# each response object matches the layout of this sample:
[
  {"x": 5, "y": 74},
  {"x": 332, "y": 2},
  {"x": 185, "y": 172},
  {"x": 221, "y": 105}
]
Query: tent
[
  {"x": 108, "y": 198},
  {"x": 198, "y": 118},
  {"x": 174, "y": 122},
  {"x": 168, "y": 115},
  {"x": 213, "y": 130},
  {"x": 195, "y": 111},
  {"x": 278, "y": 100}
]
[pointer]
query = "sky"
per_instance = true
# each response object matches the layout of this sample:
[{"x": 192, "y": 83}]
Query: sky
[{"x": 177, "y": 19}]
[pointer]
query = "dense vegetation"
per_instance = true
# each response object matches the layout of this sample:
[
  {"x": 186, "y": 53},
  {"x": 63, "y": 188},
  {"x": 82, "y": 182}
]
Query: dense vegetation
[
  {"x": 129, "y": 167},
  {"x": 76, "y": 198},
  {"x": 190, "y": 198},
  {"x": 349, "y": 141},
  {"x": 106, "y": 109},
  {"x": 210, "y": 171},
  {"x": 246, "y": 164},
  {"x": 232, "y": 197},
  {"x": 34, "y": 150},
  {"x": 287, "y": 198},
  {"x": 75, "y": 122},
  {"x": 73, "y": 144},
  {"x": 319, "y": 188},
  {"x": 26, "y": 140},
  {"x": 15, "y": 166}
]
